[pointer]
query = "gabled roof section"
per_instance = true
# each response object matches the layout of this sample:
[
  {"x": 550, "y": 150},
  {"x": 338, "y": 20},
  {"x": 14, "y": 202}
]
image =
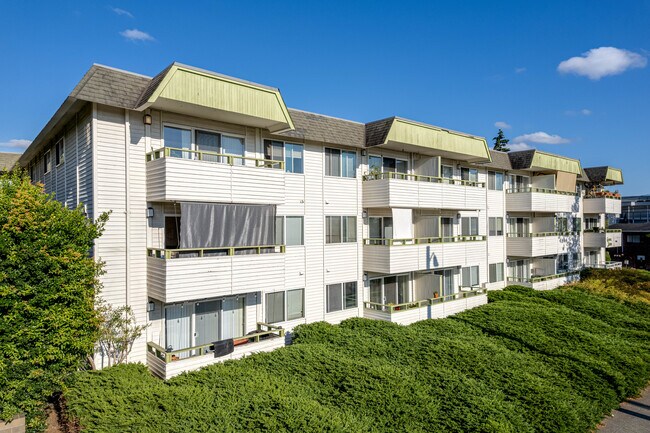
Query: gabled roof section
[
  {"x": 197, "y": 92},
  {"x": 500, "y": 161},
  {"x": 8, "y": 160},
  {"x": 401, "y": 134},
  {"x": 111, "y": 86},
  {"x": 536, "y": 160},
  {"x": 325, "y": 129},
  {"x": 605, "y": 175}
]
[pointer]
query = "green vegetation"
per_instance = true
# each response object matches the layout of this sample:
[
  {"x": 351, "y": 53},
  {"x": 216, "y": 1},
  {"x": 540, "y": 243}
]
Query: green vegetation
[
  {"x": 48, "y": 324},
  {"x": 624, "y": 284},
  {"x": 554, "y": 361}
]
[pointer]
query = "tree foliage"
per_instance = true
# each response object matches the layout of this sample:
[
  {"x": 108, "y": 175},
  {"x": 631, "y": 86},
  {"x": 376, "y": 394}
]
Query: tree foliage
[
  {"x": 48, "y": 283},
  {"x": 554, "y": 361},
  {"x": 501, "y": 142},
  {"x": 118, "y": 331}
]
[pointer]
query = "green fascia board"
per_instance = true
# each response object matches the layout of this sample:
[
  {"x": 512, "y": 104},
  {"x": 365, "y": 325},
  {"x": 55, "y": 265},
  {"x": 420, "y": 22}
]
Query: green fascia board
[
  {"x": 547, "y": 161},
  {"x": 614, "y": 175},
  {"x": 432, "y": 137},
  {"x": 223, "y": 93}
]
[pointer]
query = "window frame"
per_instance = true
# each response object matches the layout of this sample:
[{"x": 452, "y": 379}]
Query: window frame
[
  {"x": 267, "y": 304},
  {"x": 193, "y": 130},
  {"x": 469, "y": 174},
  {"x": 470, "y": 226},
  {"x": 343, "y": 296},
  {"x": 497, "y": 266},
  {"x": 59, "y": 152},
  {"x": 495, "y": 231},
  {"x": 492, "y": 177},
  {"x": 340, "y": 166},
  {"x": 47, "y": 162},
  {"x": 471, "y": 269},
  {"x": 343, "y": 235},
  {"x": 302, "y": 309}
]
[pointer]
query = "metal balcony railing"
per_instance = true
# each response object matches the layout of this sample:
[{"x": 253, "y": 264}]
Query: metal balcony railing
[
  {"x": 542, "y": 190},
  {"x": 222, "y": 158},
  {"x": 213, "y": 252},
  {"x": 422, "y": 178},
  {"x": 423, "y": 241},
  {"x": 393, "y": 308}
]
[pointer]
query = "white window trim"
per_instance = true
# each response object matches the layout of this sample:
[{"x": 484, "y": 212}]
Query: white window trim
[
  {"x": 193, "y": 130},
  {"x": 341, "y": 163}
]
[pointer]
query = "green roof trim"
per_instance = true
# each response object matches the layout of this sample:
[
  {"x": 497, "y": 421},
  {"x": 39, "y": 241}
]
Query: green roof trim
[
  {"x": 263, "y": 106},
  {"x": 605, "y": 175},
  {"x": 420, "y": 135},
  {"x": 547, "y": 161},
  {"x": 614, "y": 175}
]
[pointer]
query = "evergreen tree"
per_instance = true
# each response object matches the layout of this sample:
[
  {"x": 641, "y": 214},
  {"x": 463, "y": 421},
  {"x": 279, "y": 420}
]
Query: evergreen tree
[{"x": 500, "y": 142}]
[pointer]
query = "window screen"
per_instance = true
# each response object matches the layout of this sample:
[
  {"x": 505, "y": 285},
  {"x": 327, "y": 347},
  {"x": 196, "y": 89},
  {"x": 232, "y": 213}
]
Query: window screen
[
  {"x": 295, "y": 304},
  {"x": 295, "y": 230},
  {"x": 332, "y": 162},
  {"x": 334, "y": 297},
  {"x": 275, "y": 307},
  {"x": 351, "y": 294}
]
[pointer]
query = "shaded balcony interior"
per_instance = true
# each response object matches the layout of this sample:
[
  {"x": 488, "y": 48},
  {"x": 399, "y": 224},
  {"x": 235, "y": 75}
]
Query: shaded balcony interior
[
  {"x": 521, "y": 224},
  {"x": 553, "y": 183},
  {"x": 526, "y": 271}
]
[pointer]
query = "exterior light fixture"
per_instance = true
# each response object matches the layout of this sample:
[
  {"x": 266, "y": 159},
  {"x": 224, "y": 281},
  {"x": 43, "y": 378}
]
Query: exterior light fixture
[
  {"x": 148, "y": 120},
  {"x": 151, "y": 306},
  {"x": 150, "y": 212},
  {"x": 364, "y": 214}
]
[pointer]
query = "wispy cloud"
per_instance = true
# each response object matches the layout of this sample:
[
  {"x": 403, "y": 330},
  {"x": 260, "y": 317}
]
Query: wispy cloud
[
  {"x": 514, "y": 147},
  {"x": 583, "y": 112},
  {"x": 502, "y": 125},
  {"x": 541, "y": 138},
  {"x": 16, "y": 143},
  {"x": 122, "y": 12},
  {"x": 520, "y": 70},
  {"x": 137, "y": 35},
  {"x": 601, "y": 62}
]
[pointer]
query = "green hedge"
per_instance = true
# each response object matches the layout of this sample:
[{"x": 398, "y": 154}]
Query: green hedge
[{"x": 554, "y": 361}]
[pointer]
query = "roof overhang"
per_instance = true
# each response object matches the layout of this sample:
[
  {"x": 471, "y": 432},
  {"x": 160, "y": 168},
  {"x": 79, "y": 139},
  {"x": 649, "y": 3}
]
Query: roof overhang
[
  {"x": 614, "y": 176},
  {"x": 204, "y": 94},
  {"x": 605, "y": 175},
  {"x": 547, "y": 162},
  {"x": 409, "y": 136}
]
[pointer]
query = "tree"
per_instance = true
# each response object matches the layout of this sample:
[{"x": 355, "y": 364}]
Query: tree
[
  {"x": 500, "y": 142},
  {"x": 117, "y": 332},
  {"x": 48, "y": 284}
]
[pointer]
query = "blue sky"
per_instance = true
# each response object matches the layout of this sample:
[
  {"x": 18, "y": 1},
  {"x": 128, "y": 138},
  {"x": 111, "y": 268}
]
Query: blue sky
[{"x": 462, "y": 65}]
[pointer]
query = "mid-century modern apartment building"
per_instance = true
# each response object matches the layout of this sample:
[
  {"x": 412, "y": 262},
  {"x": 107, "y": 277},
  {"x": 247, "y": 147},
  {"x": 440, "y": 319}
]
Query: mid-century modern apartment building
[{"x": 234, "y": 219}]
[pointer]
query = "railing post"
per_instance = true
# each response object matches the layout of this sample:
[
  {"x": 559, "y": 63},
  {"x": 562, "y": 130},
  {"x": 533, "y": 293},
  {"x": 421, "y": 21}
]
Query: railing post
[
  {"x": 231, "y": 160},
  {"x": 167, "y": 151}
]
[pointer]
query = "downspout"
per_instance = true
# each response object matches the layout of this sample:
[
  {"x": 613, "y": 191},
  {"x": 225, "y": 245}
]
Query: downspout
[{"x": 127, "y": 211}]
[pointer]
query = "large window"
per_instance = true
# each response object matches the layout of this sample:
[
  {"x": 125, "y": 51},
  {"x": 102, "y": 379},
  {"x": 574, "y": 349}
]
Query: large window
[
  {"x": 293, "y": 227},
  {"x": 340, "y": 229},
  {"x": 178, "y": 138},
  {"x": 290, "y": 153},
  {"x": 275, "y": 307},
  {"x": 233, "y": 146},
  {"x": 209, "y": 142},
  {"x": 447, "y": 171},
  {"x": 495, "y": 180},
  {"x": 340, "y": 163},
  {"x": 59, "y": 151},
  {"x": 469, "y": 276},
  {"x": 496, "y": 226},
  {"x": 469, "y": 226},
  {"x": 281, "y": 306},
  {"x": 341, "y": 296},
  {"x": 469, "y": 174},
  {"x": 633, "y": 239},
  {"x": 378, "y": 164},
  {"x": 392, "y": 289},
  {"x": 496, "y": 272}
]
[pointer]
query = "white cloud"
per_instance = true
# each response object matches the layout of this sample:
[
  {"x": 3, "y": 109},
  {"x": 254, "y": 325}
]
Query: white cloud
[
  {"x": 502, "y": 125},
  {"x": 583, "y": 112},
  {"x": 122, "y": 12},
  {"x": 16, "y": 143},
  {"x": 540, "y": 137},
  {"x": 601, "y": 62},
  {"x": 520, "y": 70},
  {"x": 519, "y": 146},
  {"x": 137, "y": 35}
]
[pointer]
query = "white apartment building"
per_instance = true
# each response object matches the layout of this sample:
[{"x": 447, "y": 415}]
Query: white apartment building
[{"x": 235, "y": 219}]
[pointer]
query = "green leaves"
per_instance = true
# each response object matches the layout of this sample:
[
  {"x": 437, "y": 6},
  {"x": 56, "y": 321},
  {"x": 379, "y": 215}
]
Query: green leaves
[
  {"x": 48, "y": 283},
  {"x": 554, "y": 361}
]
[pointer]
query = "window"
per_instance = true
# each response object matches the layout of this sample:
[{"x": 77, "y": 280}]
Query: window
[
  {"x": 274, "y": 150},
  {"x": 577, "y": 224},
  {"x": 562, "y": 263},
  {"x": 295, "y": 230},
  {"x": 469, "y": 226},
  {"x": 275, "y": 307},
  {"x": 341, "y": 296},
  {"x": 447, "y": 172},
  {"x": 634, "y": 239},
  {"x": 340, "y": 229},
  {"x": 279, "y": 230},
  {"x": 293, "y": 161},
  {"x": 295, "y": 304},
  {"x": 495, "y": 180},
  {"x": 59, "y": 152},
  {"x": 233, "y": 146},
  {"x": 340, "y": 163},
  {"x": 561, "y": 224},
  {"x": 496, "y": 272},
  {"x": 32, "y": 173},
  {"x": 392, "y": 289},
  {"x": 209, "y": 142},
  {"x": 177, "y": 138},
  {"x": 496, "y": 226},
  {"x": 374, "y": 164},
  {"x": 47, "y": 162},
  {"x": 470, "y": 276},
  {"x": 172, "y": 224},
  {"x": 469, "y": 174},
  {"x": 518, "y": 183}
]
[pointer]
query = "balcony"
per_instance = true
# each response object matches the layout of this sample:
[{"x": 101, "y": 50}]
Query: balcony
[
  {"x": 392, "y": 256},
  {"x": 417, "y": 191},
  {"x": 541, "y": 200},
  {"x": 547, "y": 282},
  {"x": 603, "y": 238},
  {"x": 601, "y": 204},
  {"x": 181, "y": 275},
  {"x": 187, "y": 175},
  {"x": 434, "y": 308},
  {"x": 167, "y": 364},
  {"x": 605, "y": 265},
  {"x": 541, "y": 244}
]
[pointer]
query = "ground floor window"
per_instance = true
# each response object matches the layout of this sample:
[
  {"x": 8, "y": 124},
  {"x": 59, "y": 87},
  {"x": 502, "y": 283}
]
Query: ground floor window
[
  {"x": 470, "y": 276},
  {"x": 281, "y": 306},
  {"x": 392, "y": 289},
  {"x": 496, "y": 272},
  {"x": 341, "y": 296}
]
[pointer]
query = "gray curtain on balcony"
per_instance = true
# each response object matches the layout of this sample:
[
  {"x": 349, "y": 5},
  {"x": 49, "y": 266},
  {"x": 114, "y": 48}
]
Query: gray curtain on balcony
[{"x": 208, "y": 225}]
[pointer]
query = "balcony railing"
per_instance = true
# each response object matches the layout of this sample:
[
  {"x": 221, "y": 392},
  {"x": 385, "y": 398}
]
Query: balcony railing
[
  {"x": 602, "y": 230},
  {"x": 392, "y": 308},
  {"x": 542, "y": 278},
  {"x": 422, "y": 178},
  {"x": 542, "y": 190},
  {"x": 541, "y": 234},
  {"x": 423, "y": 241},
  {"x": 605, "y": 265},
  {"x": 264, "y": 331},
  {"x": 223, "y": 158},
  {"x": 213, "y": 252}
]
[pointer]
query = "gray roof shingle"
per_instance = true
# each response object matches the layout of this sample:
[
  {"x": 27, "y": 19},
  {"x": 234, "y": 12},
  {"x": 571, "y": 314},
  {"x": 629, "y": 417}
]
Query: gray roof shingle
[
  {"x": 521, "y": 159},
  {"x": 110, "y": 86},
  {"x": 325, "y": 129},
  {"x": 8, "y": 160},
  {"x": 377, "y": 131},
  {"x": 596, "y": 174},
  {"x": 500, "y": 160}
]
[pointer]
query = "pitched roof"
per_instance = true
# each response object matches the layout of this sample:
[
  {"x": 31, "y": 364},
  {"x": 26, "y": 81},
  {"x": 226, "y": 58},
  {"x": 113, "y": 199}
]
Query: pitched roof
[
  {"x": 8, "y": 160},
  {"x": 325, "y": 129},
  {"x": 583, "y": 177},
  {"x": 111, "y": 86},
  {"x": 521, "y": 159},
  {"x": 377, "y": 131},
  {"x": 500, "y": 160}
]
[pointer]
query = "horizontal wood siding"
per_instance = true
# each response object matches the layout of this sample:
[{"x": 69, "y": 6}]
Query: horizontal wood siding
[{"x": 542, "y": 202}]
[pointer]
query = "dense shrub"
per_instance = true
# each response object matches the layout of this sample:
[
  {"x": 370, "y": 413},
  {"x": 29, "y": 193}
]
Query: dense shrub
[{"x": 528, "y": 361}]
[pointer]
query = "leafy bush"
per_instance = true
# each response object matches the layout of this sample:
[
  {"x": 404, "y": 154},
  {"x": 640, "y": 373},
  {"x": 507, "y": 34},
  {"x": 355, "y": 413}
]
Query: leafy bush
[
  {"x": 47, "y": 287},
  {"x": 554, "y": 361}
]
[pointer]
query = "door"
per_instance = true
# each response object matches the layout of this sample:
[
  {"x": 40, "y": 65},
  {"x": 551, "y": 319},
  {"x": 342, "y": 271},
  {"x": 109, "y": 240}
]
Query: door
[
  {"x": 390, "y": 290},
  {"x": 207, "y": 321},
  {"x": 177, "y": 327},
  {"x": 447, "y": 226},
  {"x": 233, "y": 318}
]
